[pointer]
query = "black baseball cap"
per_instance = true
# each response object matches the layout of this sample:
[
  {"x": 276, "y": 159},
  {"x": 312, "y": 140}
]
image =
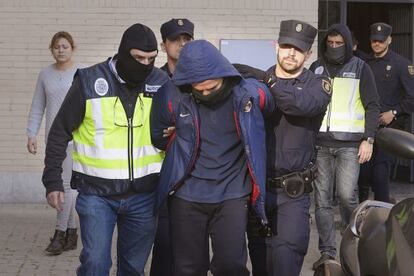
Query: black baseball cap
[
  {"x": 380, "y": 31},
  {"x": 175, "y": 27},
  {"x": 297, "y": 33}
]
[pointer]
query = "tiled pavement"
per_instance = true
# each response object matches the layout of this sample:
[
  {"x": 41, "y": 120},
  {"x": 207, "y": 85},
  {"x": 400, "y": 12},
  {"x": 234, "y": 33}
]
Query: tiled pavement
[{"x": 25, "y": 230}]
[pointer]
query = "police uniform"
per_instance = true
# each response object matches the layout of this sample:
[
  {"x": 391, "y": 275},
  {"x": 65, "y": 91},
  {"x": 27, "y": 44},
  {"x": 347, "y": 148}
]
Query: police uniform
[
  {"x": 291, "y": 134},
  {"x": 162, "y": 260},
  {"x": 394, "y": 76},
  {"x": 171, "y": 30}
]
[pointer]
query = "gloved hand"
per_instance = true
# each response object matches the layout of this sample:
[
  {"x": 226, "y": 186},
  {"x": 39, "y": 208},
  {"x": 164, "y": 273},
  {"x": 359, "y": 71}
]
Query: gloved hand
[{"x": 250, "y": 72}]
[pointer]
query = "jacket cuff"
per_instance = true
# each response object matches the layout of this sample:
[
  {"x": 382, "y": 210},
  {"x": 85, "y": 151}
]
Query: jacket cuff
[{"x": 54, "y": 188}]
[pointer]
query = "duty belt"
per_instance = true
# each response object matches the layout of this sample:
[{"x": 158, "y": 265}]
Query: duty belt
[{"x": 294, "y": 184}]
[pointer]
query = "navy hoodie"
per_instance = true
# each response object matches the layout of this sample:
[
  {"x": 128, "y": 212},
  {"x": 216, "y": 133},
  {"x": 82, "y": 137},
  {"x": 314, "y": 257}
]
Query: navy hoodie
[{"x": 244, "y": 115}]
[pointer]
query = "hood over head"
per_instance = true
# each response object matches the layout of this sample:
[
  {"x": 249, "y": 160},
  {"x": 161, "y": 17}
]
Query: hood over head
[
  {"x": 199, "y": 61},
  {"x": 344, "y": 31}
]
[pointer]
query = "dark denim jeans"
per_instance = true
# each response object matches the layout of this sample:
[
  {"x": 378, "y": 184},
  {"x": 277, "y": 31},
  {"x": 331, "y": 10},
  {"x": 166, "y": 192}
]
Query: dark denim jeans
[
  {"x": 339, "y": 165},
  {"x": 136, "y": 224}
]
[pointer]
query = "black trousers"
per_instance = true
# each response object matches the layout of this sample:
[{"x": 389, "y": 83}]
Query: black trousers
[
  {"x": 162, "y": 261},
  {"x": 284, "y": 252},
  {"x": 376, "y": 174},
  {"x": 193, "y": 223}
]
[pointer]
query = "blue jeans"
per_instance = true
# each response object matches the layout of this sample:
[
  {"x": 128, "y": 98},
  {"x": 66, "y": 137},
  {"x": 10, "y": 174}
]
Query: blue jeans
[
  {"x": 335, "y": 166},
  {"x": 136, "y": 224}
]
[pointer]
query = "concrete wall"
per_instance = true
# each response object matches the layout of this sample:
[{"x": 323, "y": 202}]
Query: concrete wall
[{"x": 26, "y": 27}]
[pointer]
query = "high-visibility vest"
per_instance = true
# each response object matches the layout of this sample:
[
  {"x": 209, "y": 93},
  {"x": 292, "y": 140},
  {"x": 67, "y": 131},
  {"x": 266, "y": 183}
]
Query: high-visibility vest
[
  {"x": 345, "y": 116},
  {"x": 107, "y": 144}
]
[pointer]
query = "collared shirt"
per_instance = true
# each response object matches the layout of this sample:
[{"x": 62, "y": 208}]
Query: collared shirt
[{"x": 112, "y": 67}]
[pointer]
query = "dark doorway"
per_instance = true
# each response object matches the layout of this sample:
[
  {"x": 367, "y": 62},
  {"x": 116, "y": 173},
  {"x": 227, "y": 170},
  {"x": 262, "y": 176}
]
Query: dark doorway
[{"x": 362, "y": 14}]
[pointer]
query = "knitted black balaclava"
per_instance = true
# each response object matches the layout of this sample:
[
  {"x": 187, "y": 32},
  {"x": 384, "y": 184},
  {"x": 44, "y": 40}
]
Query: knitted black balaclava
[{"x": 139, "y": 37}]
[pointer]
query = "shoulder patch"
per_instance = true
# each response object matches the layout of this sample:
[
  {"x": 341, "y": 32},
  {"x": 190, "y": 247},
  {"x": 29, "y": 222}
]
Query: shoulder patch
[
  {"x": 411, "y": 69},
  {"x": 101, "y": 86},
  {"x": 319, "y": 70},
  {"x": 327, "y": 87}
]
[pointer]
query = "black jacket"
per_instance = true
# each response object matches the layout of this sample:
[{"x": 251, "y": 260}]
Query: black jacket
[
  {"x": 367, "y": 87},
  {"x": 291, "y": 130},
  {"x": 394, "y": 76},
  {"x": 70, "y": 117}
]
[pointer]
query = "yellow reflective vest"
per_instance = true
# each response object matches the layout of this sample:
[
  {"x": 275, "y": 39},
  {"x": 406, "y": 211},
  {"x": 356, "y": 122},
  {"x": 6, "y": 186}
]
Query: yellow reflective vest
[
  {"x": 345, "y": 116},
  {"x": 107, "y": 144}
]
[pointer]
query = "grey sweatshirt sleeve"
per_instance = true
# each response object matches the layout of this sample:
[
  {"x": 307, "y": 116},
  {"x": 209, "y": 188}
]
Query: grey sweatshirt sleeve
[{"x": 37, "y": 108}]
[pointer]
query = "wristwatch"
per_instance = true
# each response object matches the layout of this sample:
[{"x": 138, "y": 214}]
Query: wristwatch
[
  {"x": 394, "y": 112},
  {"x": 370, "y": 140}
]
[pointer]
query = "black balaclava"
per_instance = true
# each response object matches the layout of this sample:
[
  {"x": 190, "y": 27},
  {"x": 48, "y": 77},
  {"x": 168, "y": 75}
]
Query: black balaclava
[
  {"x": 335, "y": 55},
  {"x": 139, "y": 37}
]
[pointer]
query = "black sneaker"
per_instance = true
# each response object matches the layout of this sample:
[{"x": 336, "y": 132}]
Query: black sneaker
[{"x": 324, "y": 257}]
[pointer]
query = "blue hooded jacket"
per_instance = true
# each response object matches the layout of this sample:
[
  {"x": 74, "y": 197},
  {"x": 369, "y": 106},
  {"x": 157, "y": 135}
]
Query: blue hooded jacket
[{"x": 174, "y": 105}]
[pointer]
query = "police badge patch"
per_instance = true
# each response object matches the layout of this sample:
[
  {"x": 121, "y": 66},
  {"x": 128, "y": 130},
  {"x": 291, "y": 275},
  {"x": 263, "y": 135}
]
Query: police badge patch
[
  {"x": 411, "y": 69},
  {"x": 101, "y": 86},
  {"x": 326, "y": 85}
]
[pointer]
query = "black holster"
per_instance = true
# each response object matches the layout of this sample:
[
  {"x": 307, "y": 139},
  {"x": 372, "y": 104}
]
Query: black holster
[{"x": 294, "y": 184}]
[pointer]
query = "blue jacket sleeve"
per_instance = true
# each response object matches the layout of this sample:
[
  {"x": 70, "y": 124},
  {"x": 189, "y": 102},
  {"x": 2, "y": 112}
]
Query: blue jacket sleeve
[
  {"x": 162, "y": 115},
  {"x": 266, "y": 101},
  {"x": 311, "y": 99}
]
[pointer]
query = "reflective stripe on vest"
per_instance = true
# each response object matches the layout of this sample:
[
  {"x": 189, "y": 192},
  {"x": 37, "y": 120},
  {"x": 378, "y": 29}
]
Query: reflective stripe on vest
[
  {"x": 346, "y": 112},
  {"x": 101, "y": 142}
]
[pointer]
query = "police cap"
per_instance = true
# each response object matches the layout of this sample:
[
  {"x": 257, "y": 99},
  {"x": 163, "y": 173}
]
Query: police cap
[
  {"x": 297, "y": 33},
  {"x": 175, "y": 27},
  {"x": 380, "y": 31}
]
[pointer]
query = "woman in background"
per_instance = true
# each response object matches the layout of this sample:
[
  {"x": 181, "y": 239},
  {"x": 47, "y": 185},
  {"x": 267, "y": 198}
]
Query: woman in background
[{"x": 52, "y": 85}]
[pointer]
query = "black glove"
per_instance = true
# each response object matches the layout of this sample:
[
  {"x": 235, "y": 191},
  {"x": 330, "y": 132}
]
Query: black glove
[{"x": 250, "y": 72}]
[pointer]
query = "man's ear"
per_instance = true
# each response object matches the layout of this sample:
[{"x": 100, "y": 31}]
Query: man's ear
[
  {"x": 308, "y": 54},
  {"x": 163, "y": 47},
  {"x": 389, "y": 40}
]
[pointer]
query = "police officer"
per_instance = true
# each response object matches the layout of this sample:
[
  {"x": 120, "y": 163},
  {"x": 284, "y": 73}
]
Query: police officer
[
  {"x": 301, "y": 99},
  {"x": 394, "y": 76},
  {"x": 175, "y": 34},
  {"x": 115, "y": 167}
]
